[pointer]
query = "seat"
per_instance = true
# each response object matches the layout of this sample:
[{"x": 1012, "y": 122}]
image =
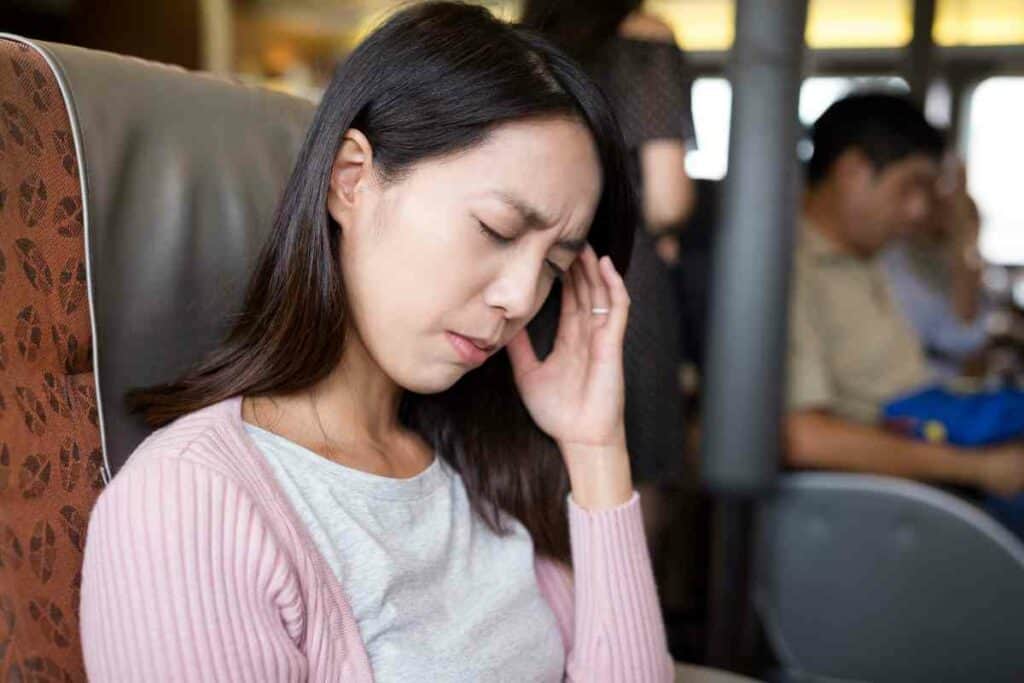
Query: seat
[
  {"x": 134, "y": 197},
  {"x": 867, "y": 578}
]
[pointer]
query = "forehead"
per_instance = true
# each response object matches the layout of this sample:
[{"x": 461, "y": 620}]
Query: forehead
[
  {"x": 915, "y": 168},
  {"x": 551, "y": 164}
]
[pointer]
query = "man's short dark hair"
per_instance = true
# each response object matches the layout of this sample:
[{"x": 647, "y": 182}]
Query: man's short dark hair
[{"x": 885, "y": 127}]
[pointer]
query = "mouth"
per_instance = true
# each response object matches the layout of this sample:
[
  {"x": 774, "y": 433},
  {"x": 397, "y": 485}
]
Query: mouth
[{"x": 468, "y": 350}]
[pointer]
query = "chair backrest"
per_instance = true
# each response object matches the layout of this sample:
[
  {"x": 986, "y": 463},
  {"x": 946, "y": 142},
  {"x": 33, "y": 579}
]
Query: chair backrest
[
  {"x": 865, "y": 578},
  {"x": 134, "y": 199}
]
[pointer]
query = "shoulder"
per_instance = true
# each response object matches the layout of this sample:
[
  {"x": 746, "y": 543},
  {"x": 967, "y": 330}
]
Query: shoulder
[
  {"x": 648, "y": 27},
  {"x": 205, "y": 440},
  {"x": 188, "y": 479}
]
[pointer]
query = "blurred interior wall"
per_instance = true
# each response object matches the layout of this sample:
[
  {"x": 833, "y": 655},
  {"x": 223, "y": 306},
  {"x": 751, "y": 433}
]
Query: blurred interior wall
[
  {"x": 162, "y": 30},
  {"x": 216, "y": 47}
]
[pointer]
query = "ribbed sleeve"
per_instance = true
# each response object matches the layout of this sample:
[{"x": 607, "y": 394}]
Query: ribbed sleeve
[
  {"x": 618, "y": 633},
  {"x": 183, "y": 581}
]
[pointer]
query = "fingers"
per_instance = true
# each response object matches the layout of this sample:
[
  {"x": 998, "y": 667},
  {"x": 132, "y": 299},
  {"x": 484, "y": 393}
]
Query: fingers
[
  {"x": 593, "y": 283},
  {"x": 582, "y": 287},
  {"x": 569, "y": 317},
  {"x": 619, "y": 298},
  {"x": 570, "y": 304},
  {"x": 599, "y": 295}
]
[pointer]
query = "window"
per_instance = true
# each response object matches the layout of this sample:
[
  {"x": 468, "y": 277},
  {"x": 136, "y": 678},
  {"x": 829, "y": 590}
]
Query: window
[
  {"x": 865, "y": 23},
  {"x": 979, "y": 22},
  {"x": 712, "y": 109},
  {"x": 709, "y": 24},
  {"x": 817, "y": 94},
  {"x": 994, "y": 153},
  {"x": 698, "y": 24}
]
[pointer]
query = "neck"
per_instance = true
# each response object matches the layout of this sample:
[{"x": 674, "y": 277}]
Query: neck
[
  {"x": 821, "y": 208},
  {"x": 355, "y": 407},
  {"x": 358, "y": 401},
  {"x": 350, "y": 416}
]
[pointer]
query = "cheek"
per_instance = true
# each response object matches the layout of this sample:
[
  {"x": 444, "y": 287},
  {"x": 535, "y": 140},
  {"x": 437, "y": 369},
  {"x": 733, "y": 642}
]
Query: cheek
[
  {"x": 380, "y": 276},
  {"x": 879, "y": 206},
  {"x": 856, "y": 204},
  {"x": 418, "y": 271}
]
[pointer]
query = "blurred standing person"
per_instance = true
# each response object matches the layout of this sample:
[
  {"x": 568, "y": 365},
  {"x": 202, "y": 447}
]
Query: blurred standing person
[
  {"x": 634, "y": 57},
  {"x": 935, "y": 277}
]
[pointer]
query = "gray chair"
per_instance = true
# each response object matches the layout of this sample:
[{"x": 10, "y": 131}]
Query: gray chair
[
  {"x": 134, "y": 198},
  {"x": 866, "y": 578}
]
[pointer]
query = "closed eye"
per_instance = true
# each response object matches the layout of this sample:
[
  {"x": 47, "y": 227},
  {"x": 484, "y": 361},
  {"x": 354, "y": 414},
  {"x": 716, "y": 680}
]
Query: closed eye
[
  {"x": 503, "y": 240},
  {"x": 496, "y": 236}
]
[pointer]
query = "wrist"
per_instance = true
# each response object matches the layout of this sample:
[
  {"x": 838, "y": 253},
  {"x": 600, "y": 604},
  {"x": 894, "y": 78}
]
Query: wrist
[
  {"x": 600, "y": 476},
  {"x": 962, "y": 466}
]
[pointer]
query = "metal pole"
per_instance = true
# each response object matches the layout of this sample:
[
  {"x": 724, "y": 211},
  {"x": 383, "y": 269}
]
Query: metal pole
[
  {"x": 959, "y": 83},
  {"x": 746, "y": 355},
  {"x": 747, "y": 345},
  {"x": 920, "y": 58}
]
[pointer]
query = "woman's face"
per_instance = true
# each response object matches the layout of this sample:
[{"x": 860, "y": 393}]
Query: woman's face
[{"x": 462, "y": 251}]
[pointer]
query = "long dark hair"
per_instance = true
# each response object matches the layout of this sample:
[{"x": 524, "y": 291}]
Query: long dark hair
[
  {"x": 433, "y": 80},
  {"x": 580, "y": 27}
]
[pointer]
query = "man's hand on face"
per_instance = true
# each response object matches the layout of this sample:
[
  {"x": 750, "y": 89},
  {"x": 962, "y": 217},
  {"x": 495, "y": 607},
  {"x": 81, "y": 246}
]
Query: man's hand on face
[{"x": 955, "y": 207}]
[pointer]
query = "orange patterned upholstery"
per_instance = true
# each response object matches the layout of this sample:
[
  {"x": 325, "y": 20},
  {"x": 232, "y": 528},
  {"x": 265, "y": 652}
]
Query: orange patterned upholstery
[
  {"x": 51, "y": 467},
  {"x": 91, "y": 143}
]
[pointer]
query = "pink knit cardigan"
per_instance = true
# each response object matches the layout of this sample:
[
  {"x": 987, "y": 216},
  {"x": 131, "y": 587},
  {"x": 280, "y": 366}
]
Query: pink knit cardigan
[{"x": 197, "y": 568}]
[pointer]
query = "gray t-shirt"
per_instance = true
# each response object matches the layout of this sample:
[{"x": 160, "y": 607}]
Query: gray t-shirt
[{"x": 437, "y": 595}]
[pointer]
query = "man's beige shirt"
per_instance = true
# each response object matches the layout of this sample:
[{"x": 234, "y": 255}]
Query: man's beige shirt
[{"x": 850, "y": 348}]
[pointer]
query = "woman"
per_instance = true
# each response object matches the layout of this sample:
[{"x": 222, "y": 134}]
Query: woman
[
  {"x": 634, "y": 58},
  {"x": 375, "y": 477}
]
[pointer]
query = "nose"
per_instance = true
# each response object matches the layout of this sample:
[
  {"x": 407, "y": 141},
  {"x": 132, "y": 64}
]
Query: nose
[{"x": 516, "y": 287}]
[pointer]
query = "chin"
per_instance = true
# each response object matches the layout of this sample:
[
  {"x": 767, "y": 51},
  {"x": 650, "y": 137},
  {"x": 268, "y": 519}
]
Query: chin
[{"x": 442, "y": 379}]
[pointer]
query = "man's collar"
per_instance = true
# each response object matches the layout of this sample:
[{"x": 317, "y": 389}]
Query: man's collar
[{"x": 821, "y": 247}]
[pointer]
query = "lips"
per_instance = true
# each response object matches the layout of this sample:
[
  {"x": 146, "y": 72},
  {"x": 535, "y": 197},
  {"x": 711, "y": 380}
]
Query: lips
[{"x": 468, "y": 351}]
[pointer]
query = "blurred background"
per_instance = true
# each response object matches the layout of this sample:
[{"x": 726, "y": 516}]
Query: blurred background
[
  {"x": 975, "y": 74},
  {"x": 962, "y": 61}
]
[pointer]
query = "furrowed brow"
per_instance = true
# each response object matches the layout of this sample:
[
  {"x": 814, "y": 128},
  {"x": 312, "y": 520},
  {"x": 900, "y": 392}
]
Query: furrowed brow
[{"x": 535, "y": 220}]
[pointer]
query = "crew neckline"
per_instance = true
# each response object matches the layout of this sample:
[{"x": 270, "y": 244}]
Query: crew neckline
[{"x": 420, "y": 485}]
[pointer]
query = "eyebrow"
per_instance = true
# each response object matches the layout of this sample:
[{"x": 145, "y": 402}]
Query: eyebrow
[{"x": 535, "y": 220}]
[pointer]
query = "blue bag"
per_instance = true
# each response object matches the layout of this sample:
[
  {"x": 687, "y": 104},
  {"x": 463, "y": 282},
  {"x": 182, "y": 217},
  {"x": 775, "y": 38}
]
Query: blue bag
[
  {"x": 966, "y": 419},
  {"x": 938, "y": 414}
]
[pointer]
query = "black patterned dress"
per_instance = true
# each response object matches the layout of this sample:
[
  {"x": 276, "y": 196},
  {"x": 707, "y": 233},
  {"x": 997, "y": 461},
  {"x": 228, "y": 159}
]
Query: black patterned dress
[{"x": 649, "y": 91}]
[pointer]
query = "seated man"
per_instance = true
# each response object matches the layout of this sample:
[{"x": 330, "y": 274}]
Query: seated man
[{"x": 870, "y": 178}]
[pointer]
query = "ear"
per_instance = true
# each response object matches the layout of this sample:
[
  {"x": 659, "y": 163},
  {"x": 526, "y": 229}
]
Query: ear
[
  {"x": 853, "y": 169},
  {"x": 351, "y": 174}
]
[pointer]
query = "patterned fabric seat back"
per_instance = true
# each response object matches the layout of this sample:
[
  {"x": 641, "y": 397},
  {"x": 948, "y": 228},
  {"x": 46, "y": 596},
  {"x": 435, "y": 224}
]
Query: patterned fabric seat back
[{"x": 134, "y": 198}]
